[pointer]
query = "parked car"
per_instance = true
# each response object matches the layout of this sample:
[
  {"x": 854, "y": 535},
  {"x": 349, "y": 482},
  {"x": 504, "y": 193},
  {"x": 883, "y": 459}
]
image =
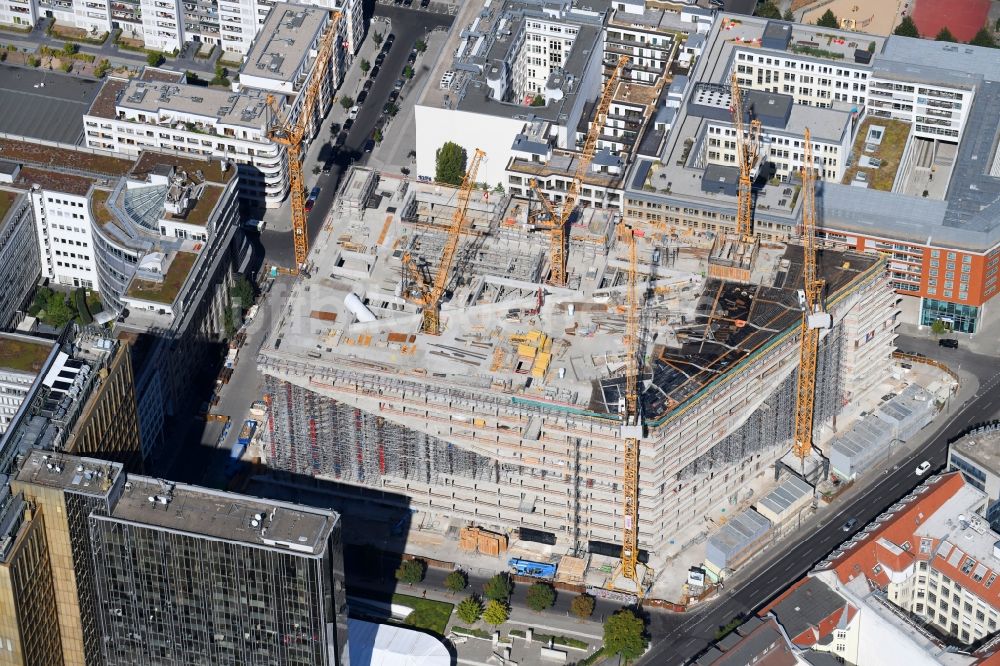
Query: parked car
[
  {"x": 390, "y": 39},
  {"x": 368, "y": 84},
  {"x": 379, "y": 59},
  {"x": 362, "y": 96},
  {"x": 424, "y": 3},
  {"x": 348, "y": 124},
  {"x": 412, "y": 58},
  {"x": 950, "y": 343},
  {"x": 309, "y": 204},
  {"x": 373, "y": 72},
  {"x": 352, "y": 112},
  {"x": 849, "y": 525},
  {"x": 393, "y": 95},
  {"x": 369, "y": 145},
  {"x": 314, "y": 194},
  {"x": 341, "y": 138},
  {"x": 923, "y": 467},
  {"x": 399, "y": 84}
]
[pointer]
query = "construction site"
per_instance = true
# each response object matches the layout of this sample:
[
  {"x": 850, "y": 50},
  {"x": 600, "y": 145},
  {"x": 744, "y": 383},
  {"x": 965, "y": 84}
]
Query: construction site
[{"x": 510, "y": 418}]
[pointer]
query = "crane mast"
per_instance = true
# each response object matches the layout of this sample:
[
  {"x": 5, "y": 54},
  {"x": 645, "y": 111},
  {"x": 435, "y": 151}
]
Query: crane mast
[
  {"x": 631, "y": 419},
  {"x": 747, "y": 153},
  {"x": 813, "y": 317},
  {"x": 290, "y": 135},
  {"x": 431, "y": 294},
  {"x": 559, "y": 221}
]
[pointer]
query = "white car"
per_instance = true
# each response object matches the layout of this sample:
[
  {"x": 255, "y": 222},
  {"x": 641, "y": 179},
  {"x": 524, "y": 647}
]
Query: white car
[
  {"x": 352, "y": 113},
  {"x": 923, "y": 467}
]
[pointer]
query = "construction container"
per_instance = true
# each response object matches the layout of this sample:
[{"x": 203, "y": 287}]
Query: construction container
[{"x": 483, "y": 541}]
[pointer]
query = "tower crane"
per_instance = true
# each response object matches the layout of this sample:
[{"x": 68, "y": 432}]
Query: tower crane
[
  {"x": 747, "y": 153},
  {"x": 289, "y": 133},
  {"x": 559, "y": 219},
  {"x": 813, "y": 317},
  {"x": 631, "y": 412},
  {"x": 430, "y": 294}
]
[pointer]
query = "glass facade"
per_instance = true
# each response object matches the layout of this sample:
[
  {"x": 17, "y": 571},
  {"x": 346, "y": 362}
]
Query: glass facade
[
  {"x": 960, "y": 318},
  {"x": 171, "y": 598}
]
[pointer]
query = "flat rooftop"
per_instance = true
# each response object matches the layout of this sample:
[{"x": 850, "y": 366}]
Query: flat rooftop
[
  {"x": 40, "y": 155},
  {"x": 23, "y": 353},
  {"x": 354, "y": 308},
  {"x": 243, "y": 109},
  {"x": 87, "y": 476},
  {"x": 283, "y": 43},
  {"x": 212, "y": 514},
  {"x": 53, "y": 112},
  {"x": 164, "y": 291},
  {"x": 981, "y": 448}
]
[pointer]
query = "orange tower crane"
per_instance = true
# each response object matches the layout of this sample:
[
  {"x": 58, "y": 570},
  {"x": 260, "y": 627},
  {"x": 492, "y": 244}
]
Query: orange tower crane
[
  {"x": 813, "y": 317},
  {"x": 747, "y": 153},
  {"x": 559, "y": 220},
  {"x": 631, "y": 411},
  {"x": 430, "y": 295},
  {"x": 290, "y": 134}
]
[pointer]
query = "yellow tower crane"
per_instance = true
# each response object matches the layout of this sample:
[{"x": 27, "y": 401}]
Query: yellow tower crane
[
  {"x": 430, "y": 295},
  {"x": 560, "y": 219},
  {"x": 631, "y": 413},
  {"x": 747, "y": 153},
  {"x": 813, "y": 317},
  {"x": 290, "y": 134}
]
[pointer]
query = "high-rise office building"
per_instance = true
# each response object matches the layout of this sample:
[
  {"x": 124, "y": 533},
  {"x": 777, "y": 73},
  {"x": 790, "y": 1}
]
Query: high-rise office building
[
  {"x": 188, "y": 575},
  {"x": 65, "y": 490}
]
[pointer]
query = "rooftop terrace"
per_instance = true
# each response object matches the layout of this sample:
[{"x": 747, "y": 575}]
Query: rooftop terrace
[
  {"x": 6, "y": 201},
  {"x": 23, "y": 353},
  {"x": 165, "y": 291}
]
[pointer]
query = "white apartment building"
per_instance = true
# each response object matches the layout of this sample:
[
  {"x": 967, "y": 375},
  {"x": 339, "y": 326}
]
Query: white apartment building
[
  {"x": 131, "y": 116},
  {"x": 166, "y": 25},
  {"x": 647, "y": 36},
  {"x": 63, "y": 225},
  {"x": 544, "y": 47}
]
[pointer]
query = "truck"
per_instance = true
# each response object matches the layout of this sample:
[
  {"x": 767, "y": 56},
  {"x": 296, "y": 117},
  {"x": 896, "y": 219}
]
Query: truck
[
  {"x": 542, "y": 570},
  {"x": 246, "y": 433}
]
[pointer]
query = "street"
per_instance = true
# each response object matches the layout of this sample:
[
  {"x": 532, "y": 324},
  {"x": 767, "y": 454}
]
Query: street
[
  {"x": 679, "y": 637},
  {"x": 407, "y": 25}
]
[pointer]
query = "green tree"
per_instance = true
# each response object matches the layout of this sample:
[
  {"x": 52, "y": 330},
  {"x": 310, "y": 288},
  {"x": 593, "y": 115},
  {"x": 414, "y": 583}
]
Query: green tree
[
  {"x": 498, "y": 588},
  {"x": 346, "y": 102},
  {"x": 221, "y": 76},
  {"x": 768, "y": 9},
  {"x": 57, "y": 312},
  {"x": 407, "y": 72},
  {"x": 828, "y": 20},
  {"x": 377, "y": 136},
  {"x": 365, "y": 65},
  {"x": 411, "y": 571},
  {"x": 378, "y": 38},
  {"x": 420, "y": 46},
  {"x": 984, "y": 38},
  {"x": 499, "y": 189},
  {"x": 540, "y": 596},
  {"x": 155, "y": 59},
  {"x": 582, "y": 606},
  {"x": 496, "y": 613},
  {"x": 906, "y": 28},
  {"x": 193, "y": 78},
  {"x": 69, "y": 48},
  {"x": 788, "y": 15},
  {"x": 66, "y": 66},
  {"x": 390, "y": 109},
  {"x": 455, "y": 581},
  {"x": 624, "y": 634},
  {"x": 944, "y": 35},
  {"x": 538, "y": 100},
  {"x": 450, "y": 163},
  {"x": 34, "y": 61},
  {"x": 241, "y": 293},
  {"x": 939, "y": 327},
  {"x": 470, "y": 609}
]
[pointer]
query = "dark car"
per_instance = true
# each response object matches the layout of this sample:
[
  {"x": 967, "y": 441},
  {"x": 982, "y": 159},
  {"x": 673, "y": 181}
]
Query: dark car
[
  {"x": 373, "y": 72},
  {"x": 309, "y": 204},
  {"x": 424, "y": 3},
  {"x": 362, "y": 96},
  {"x": 412, "y": 58},
  {"x": 390, "y": 39},
  {"x": 950, "y": 343},
  {"x": 348, "y": 124},
  {"x": 314, "y": 194},
  {"x": 379, "y": 59},
  {"x": 341, "y": 138},
  {"x": 368, "y": 85},
  {"x": 369, "y": 145},
  {"x": 407, "y": 3},
  {"x": 393, "y": 95}
]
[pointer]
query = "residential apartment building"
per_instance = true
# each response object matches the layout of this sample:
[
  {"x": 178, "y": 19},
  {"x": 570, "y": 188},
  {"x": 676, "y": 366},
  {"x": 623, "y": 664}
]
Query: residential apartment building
[
  {"x": 20, "y": 266},
  {"x": 166, "y": 25},
  {"x": 128, "y": 117},
  {"x": 647, "y": 35},
  {"x": 262, "y": 581}
]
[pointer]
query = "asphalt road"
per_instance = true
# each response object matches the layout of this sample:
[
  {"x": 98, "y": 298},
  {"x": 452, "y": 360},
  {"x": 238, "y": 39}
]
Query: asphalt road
[
  {"x": 679, "y": 637},
  {"x": 408, "y": 25}
]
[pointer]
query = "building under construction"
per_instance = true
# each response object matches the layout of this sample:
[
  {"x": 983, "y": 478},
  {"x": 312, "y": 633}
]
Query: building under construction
[{"x": 509, "y": 419}]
